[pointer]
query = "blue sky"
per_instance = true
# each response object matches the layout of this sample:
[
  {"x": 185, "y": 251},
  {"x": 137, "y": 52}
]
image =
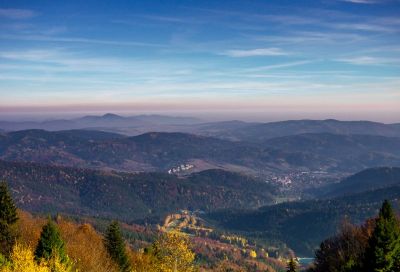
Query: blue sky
[{"x": 229, "y": 59}]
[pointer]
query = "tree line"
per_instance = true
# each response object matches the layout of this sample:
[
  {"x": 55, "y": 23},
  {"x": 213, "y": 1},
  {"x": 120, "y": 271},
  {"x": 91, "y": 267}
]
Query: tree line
[
  {"x": 371, "y": 247},
  {"x": 170, "y": 252}
]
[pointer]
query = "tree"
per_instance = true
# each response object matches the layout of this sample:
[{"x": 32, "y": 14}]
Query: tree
[
  {"x": 292, "y": 265},
  {"x": 253, "y": 254},
  {"x": 345, "y": 251},
  {"x": 8, "y": 218},
  {"x": 115, "y": 246},
  {"x": 86, "y": 247},
  {"x": 383, "y": 251},
  {"x": 172, "y": 253},
  {"x": 50, "y": 244},
  {"x": 22, "y": 260}
]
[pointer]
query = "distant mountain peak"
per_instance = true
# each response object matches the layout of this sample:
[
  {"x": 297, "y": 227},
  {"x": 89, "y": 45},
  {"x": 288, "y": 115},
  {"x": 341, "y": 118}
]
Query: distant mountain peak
[{"x": 111, "y": 116}]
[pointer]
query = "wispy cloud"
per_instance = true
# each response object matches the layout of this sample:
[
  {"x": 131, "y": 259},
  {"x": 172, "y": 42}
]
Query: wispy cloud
[
  {"x": 372, "y": 27},
  {"x": 78, "y": 40},
  {"x": 364, "y": 1},
  {"x": 311, "y": 37},
  {"x": 67, "y": 64},
  {"x": 255, "y": 52},
  {"x": 166, "y": 19},
  {"x": 17, "y": 13},
  {"x": 280, "y": 65},
  {"x": 368, "y": 60}
]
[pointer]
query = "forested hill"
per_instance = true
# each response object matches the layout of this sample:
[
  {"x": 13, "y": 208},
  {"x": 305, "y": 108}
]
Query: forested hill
[
  {"x": 160, "y": 151},
  {"x": 128, "y": 197},
  {"x": 260, "y": 132},
  {"x": 366, "y": 180},
  {"x": 303, "y": 225},
  {"x": 148, "y": 152}
]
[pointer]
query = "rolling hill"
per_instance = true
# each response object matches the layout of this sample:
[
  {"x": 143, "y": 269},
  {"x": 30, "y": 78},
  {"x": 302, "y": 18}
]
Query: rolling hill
[
  {"x": 369, "y": 179},
  {"x": 231, "y": 130},
  {"x": 147, "y": 152},
  {"x": 346, "y": 152},
  {"x": 107, "y": 121},
  {"x": 261, "y": 132},
  {"x": 302, "y": 225},
  {"x": 128, "y": 197},
  {"x": 158, "y": 151}
]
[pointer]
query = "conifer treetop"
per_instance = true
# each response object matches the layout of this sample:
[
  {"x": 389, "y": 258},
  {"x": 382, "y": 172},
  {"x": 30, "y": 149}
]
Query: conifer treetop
[{"x": 8, "y": 210}]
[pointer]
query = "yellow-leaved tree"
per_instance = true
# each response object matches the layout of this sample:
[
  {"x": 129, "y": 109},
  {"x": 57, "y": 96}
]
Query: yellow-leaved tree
[
  {"x": 22, "y": 260},
  {"x": 172, "y": 253}
]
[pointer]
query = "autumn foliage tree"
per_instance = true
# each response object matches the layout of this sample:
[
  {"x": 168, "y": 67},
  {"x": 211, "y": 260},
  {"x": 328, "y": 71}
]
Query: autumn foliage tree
[
  {"x": 373, "y": 247},
  {"x": 8, "y": 218},
  {"x": 172, "y": 253},
  {"x": 22, "y": 259},
  {"x": 344, "y": 251},
  {"x": 85, "y": 246}
]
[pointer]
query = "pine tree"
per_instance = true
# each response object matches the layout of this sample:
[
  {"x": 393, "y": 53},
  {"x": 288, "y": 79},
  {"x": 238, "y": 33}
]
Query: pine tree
[
  {"x": 50, "y": 244},
  {"x": 292, "y": 266},
  {"x": 8, "y": 218},
  {"x": 384, "y": 244},
  {"x": 115, "y": 246}
]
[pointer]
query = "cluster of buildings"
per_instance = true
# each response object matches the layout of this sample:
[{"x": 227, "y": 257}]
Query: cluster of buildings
[
  {"x": 180, "y": 168},
  {"x": 305, "y": 178}
]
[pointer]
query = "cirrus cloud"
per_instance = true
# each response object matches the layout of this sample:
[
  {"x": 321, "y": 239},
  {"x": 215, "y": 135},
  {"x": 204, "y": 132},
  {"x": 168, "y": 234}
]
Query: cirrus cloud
[
  {"x": 17, "y": 13},
  {"x": 255, "y": 52}
]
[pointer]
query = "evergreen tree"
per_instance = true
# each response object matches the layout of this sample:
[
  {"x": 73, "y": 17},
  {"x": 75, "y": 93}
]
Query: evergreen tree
[
  {"x": 8, "y": 218},
  {"x": 50, "y": 244},
  {"x": 115, "y": 246},
  {"x": 383, "y": 249},
  {"x": 292, "y": 265}
]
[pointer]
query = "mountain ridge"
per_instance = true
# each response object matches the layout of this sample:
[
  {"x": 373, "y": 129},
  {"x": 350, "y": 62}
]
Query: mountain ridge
[
  {"x": 366, "y": 180},
  {"x": 160, "y": 151},
  {"x": 232, "y": 130},
  {"x": 126, "y": 196}
]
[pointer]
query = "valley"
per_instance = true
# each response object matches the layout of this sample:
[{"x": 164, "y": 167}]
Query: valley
[{"x": 270, "y": 197}]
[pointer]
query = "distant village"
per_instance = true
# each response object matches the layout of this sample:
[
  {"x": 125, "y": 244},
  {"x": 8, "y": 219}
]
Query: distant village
[
  {"x": 180, "y": 168},
  {"x": 303, "y": 178}
]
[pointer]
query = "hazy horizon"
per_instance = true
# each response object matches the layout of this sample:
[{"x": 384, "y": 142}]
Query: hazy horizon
[
  {"x": 218, "y": 60},
  {"x": 265, "y": 117}
]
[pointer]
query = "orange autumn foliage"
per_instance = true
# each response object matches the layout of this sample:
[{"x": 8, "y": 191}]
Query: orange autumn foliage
[
  {"x": 84, "y": 245},
  {"x": 86, "y": 251},
  {"x": 29, "y": 228}
]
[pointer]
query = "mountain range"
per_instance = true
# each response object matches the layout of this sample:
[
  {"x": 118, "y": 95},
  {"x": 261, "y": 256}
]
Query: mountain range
[
  {"x": 160, "y": 151},
  {"x": 142, "y": 168},
  {"x": 265, "y": 131},
  {"x": 107, "y": 121},
  {"x": 231, "y": 130}
]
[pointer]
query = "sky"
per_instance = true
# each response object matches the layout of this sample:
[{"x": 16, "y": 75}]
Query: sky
[{"x": 249, "y": 60}]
